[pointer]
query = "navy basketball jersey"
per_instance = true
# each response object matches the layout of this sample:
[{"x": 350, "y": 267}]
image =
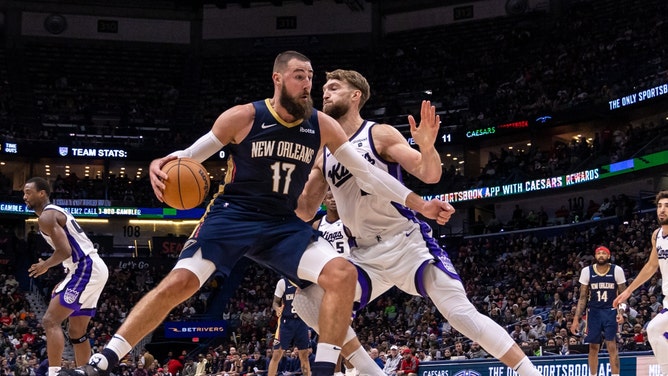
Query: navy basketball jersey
[
  {"x": 267, "y": 171},
  {"x": 602, "y": 288},
  {"x": 288, "y": 298}
]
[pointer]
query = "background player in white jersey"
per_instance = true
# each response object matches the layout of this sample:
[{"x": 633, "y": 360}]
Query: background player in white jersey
[
  {"x": 332, "y": 228},
  {"x": 657, "y": 329},
  {"x": 391, "y": 246},
  {"x": 600, "y": 284},
  {"x": 77, "y": 295}
]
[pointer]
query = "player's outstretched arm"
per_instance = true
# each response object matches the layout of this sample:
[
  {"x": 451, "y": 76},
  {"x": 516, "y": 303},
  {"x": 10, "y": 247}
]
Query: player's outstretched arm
[
  {"x": 377, "y": 181},
  {"x": 645, "y": 274},
  {"x": 424, "y": 164}
]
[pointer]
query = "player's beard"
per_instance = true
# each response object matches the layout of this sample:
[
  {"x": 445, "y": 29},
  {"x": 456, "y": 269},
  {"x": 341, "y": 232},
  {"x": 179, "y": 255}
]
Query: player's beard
[
  {"x": 296, "y": 106},
  {"x": 336, "y": 110},
  {"x": 601, "y": 262}
]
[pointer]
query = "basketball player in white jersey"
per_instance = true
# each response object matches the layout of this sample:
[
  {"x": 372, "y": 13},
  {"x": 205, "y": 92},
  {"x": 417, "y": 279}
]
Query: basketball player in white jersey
[
  {"x": 391, "y": 246},
  {"x": 77, "y": 295},
  {"x": 657, "y": 329},
  {"x": 332, "y": 228}
]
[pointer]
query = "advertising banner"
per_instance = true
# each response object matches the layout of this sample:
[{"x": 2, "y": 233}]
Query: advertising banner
[{"x": 631, "y": 364}]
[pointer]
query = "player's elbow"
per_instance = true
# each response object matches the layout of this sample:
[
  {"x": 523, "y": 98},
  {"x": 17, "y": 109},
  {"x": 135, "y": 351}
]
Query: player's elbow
[
  {"x": 430, "y": 176},
  {"x": 433, "y": 178}
]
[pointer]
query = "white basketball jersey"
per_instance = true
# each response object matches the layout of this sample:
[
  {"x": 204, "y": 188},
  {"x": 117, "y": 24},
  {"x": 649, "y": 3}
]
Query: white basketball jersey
[
  {"x": 335, "y": 234},
  {"x": 79, "y": 242},
  {"x": 662, "y": 252},
  {"x": 367, "y": 216}
]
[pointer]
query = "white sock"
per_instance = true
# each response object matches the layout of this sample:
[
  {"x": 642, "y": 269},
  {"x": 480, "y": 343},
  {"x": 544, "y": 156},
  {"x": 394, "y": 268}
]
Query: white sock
[
  {"x": 526, "y": 368},
  {"x": 361, "y": 360},
  {"x": 53, "y": 371},
  {"x": 119, "y": 345},
  {"x": 326, "y": 352}
]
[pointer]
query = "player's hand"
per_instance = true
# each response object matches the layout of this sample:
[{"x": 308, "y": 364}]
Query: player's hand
[
  {"x": 575, "y": 326},
  {"x": 279, "y": 311},
  {"x": 157, "y": 176},
  {"x": 624, "y": 296},
  {"x": 38, "y": 268},
  {"x": 425, "y": 134},
  {"x": 441, "y": 211}
]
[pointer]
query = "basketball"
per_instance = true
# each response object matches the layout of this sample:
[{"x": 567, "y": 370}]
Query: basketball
[{"x": 187, "y": 183}]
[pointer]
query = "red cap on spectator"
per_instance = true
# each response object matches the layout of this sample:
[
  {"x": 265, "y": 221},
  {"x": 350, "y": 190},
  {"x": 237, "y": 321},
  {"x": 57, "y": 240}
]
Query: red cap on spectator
[
  {"x": 406, "y": 351},
  {"x": 602, "y": 248}
]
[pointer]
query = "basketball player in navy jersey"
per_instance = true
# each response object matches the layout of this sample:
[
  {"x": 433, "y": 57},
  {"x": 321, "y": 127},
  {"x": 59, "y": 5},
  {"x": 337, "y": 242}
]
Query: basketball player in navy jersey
[
  {"x": 599, "y": 285},
  {"x": 658, "y": 259},
  {"x": 391, "y": 246},
  {"x": 77, "y": 295},
  {"x": 273, "y": 144},
  {"x": 291, "y": 332}
]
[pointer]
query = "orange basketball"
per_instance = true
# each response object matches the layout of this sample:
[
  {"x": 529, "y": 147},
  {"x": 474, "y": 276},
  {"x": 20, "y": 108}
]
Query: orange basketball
[{"x": 187, "y": 183}]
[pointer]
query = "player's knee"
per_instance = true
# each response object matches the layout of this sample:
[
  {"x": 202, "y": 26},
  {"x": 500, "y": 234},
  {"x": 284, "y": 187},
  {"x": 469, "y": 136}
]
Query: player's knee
[
  {"x": 338, "y": 274},
  {"x": 50, "y": 321},
  {"x": 179, "y": 285},
  {"x": 655, "y": 332}
]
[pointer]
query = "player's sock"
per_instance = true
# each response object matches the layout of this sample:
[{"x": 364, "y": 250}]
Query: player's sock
[
  {"x": 326, "y": 356},
  {"x": 53, "y": 371},
  {"x": 526, "y": 368},
  {"x": 361, "y": 360},
  {"x": 117, "y": 348}
]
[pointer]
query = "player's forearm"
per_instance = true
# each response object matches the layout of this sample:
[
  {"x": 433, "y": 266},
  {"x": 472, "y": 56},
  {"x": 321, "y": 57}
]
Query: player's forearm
[
  {"x": 582, "y": 302},
  {"x": 370, "y": 179},
  {"x": 645, "y": 274},
  {"x": 201, "y": 149},
  {"x": 429, "y": 169},
  {"x": 58, "y": 256}
]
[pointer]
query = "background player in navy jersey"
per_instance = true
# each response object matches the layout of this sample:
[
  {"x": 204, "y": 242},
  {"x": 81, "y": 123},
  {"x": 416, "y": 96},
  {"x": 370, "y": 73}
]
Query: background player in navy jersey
[
  {"x": 273, "y": 144},
  {"x": 599, "y": 285},
  {"x": 77, "y": 295},
  {"x": 658, "y": 259},
  {"x": 291, "y": 331},
  {"x": 391, "y": 246}
]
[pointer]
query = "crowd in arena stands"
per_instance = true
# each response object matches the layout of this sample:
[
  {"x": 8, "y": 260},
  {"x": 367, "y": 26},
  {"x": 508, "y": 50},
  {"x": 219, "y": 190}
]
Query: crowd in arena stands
[
  {"x": 482, "y": 79},
  {"x": 525, "y": 281},
  {"x": 484, "y": 73}
]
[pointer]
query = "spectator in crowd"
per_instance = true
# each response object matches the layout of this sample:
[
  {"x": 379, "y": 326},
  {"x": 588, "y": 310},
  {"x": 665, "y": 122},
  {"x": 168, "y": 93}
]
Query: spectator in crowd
[
  {"x": 409, "y": 364},
  {"x": 376, "y": 357},
  {"x": 392, "y": 362},
  {"x": 475, "y": 351}
]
